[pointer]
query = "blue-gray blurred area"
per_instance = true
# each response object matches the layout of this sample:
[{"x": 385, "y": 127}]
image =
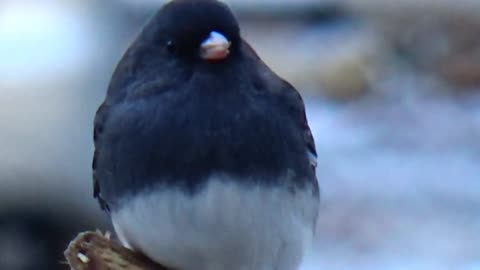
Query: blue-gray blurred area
[{"x": 392, "y": 90}]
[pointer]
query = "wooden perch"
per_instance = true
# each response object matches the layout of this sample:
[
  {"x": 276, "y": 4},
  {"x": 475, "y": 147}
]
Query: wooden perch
[{"x": 95, "y": 251}]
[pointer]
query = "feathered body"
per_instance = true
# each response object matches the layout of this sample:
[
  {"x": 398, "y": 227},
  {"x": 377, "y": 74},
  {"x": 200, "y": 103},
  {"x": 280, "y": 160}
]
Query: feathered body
[{"x": 204, "y": 165}]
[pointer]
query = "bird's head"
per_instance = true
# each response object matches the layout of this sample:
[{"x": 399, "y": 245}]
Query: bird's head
[
  {"x": 183, "y": 39},
  {"x": 194, "y": 30}
]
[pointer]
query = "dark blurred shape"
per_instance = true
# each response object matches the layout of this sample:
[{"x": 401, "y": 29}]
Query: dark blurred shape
[{"x": 32, "y": 239}]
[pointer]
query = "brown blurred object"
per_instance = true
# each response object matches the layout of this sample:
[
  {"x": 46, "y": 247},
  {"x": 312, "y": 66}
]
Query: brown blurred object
[
  {"x": 339, "y": 59},
  {"x": 94, "y": 251},
  {"x": 438, "y": 39},
  {"x": 461, "y": 65},
  {"x": 348, "y": 72}
]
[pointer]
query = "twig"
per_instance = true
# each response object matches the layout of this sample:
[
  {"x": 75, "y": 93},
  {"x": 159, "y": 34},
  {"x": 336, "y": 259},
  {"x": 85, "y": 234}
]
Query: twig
[{"x": 95, "y": 251}]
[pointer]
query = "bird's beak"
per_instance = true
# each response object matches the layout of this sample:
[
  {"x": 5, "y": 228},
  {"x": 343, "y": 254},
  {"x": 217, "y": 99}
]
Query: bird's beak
[{"x": 215, "y": 47}]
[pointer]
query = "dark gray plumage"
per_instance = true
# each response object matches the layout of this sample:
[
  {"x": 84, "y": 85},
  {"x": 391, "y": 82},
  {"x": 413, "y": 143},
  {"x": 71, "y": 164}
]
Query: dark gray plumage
[{"x": 173, "y": 124}]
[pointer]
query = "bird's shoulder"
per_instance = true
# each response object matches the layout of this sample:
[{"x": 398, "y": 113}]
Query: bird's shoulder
[{"x": 287, "y": 95}]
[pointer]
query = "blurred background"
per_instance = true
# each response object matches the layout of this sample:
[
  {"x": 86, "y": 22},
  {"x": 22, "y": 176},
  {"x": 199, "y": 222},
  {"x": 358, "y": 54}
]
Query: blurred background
[{"x": 392, "y": 90}]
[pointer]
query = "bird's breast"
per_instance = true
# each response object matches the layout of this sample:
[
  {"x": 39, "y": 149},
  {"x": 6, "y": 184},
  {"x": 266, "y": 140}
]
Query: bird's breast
[{"x": 183, "y": 140}]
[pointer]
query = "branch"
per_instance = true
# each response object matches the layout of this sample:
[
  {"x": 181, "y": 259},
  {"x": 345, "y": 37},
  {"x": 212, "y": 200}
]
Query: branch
[{"x": 95, "y": 251}]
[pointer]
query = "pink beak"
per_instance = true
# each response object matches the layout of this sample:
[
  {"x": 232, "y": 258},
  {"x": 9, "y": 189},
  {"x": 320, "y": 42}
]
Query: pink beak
[{"x": 215, "y": 47}]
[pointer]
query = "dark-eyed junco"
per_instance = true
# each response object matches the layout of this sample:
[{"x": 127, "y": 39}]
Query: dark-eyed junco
[{"x": 203, "y": 156}]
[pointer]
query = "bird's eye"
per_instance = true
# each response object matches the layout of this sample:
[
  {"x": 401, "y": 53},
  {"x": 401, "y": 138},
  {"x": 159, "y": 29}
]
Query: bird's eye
[{"x": 171, "y": 47}]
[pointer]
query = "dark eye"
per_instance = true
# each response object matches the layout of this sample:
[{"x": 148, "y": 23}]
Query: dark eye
[{"x": 171, "y": 47}]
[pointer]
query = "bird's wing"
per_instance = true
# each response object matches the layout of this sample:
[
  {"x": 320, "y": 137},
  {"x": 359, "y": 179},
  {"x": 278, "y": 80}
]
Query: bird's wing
[
  {"x": 296, "y": 107},
  {"x": 97, "y": 132},
  {"x": 290, "y": 97}
]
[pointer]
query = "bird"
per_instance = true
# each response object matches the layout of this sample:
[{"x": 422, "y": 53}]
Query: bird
[{"x": 204, "y": 159}]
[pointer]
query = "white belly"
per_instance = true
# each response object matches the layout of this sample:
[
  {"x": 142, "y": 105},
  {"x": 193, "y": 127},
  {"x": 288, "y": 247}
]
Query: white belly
[{"x": 224, "y": 227}]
